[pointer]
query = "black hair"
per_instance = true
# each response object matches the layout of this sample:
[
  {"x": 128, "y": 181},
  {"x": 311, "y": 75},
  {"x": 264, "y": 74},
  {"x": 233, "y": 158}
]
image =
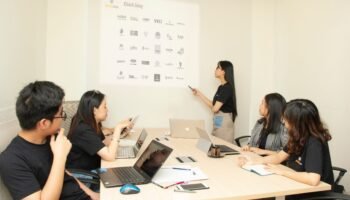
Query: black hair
[
  {"x": 36, "y": 101},
  {"x": 304, "y": 121},
  {"x": 85, "y": 113},
  {"x": 227, "y": 66},
  {"x": 275, "y": 106}
]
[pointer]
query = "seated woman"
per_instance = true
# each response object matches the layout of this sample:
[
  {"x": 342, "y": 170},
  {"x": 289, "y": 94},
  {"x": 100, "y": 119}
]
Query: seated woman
[
  {"x": 269, "y": 134},
  {"x": 307, "y": 151},
  {"x": 88, "y": 141}
]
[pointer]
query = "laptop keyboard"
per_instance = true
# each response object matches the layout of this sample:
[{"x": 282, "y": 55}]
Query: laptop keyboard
[
  {"x": 128, "y": 175},
  {"x": 125, "y": 152}
]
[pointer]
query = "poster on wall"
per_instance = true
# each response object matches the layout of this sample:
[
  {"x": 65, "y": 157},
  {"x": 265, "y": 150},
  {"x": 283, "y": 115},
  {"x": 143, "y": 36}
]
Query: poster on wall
[{"x": 149, "y": 42}]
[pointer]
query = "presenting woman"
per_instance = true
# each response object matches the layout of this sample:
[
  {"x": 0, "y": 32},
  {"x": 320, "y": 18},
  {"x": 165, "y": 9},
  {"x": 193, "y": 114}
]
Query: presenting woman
[{"x": 223, "y": 105}]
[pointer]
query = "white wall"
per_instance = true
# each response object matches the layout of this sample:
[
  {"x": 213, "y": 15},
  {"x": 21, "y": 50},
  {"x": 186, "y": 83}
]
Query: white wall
[
  {"x": 312, "y": 61},
  {"x": 22, "y": 59},
  {"x": 66, "y": 45},
  {"x": 301, "y": 49},
  {"x": 225, "y": 29}
]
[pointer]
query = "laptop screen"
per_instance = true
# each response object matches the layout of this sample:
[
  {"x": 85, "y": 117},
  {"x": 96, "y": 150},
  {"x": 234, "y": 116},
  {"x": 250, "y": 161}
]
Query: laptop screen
[
  {"x": 152, "y": 158},
  {"x": 141, "y": 139}
]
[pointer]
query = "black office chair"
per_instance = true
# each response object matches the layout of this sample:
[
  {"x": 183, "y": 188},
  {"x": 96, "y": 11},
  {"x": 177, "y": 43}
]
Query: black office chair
[
  {"x": 239, "y": 141},
  {"x": 329, "y": 196}
]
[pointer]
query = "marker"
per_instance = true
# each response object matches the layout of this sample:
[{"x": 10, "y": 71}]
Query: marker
[
  {"x": 177, "y": 183},
  {"x": 157, "y": 139}
]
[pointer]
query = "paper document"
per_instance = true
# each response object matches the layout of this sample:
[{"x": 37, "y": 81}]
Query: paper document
[
  {"x": 258, "y": 169},
  {"x": 173, "y": 174}
]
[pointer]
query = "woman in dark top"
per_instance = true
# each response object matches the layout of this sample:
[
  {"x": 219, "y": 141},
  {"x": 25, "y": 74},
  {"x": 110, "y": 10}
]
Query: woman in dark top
[
  {"x": 269, "y": 134},
  {"x": 88, "y": 141},
  {"x": 307, "y": 151},
  {"x": 224, "y": 102}
]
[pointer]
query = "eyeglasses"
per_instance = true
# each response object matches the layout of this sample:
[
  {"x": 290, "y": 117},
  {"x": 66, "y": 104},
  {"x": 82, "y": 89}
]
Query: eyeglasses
[{"x": 63, "y": 116}]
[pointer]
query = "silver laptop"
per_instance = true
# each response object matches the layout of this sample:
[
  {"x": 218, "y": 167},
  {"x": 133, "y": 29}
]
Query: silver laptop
[
  {"x": 143, "y": 170},
  {"x": 185, "y": 128},
  {"x": 131, "y": 151},
  {"x": 205, "y": 143}
]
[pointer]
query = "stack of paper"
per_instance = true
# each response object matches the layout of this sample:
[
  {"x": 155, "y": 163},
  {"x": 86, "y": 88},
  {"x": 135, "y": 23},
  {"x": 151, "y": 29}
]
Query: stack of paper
[{"x": 169, "y": 175}]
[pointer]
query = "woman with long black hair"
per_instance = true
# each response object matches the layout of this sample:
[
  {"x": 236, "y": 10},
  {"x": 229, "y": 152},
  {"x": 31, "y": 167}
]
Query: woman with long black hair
[
  {"x": 89, "y": 145},
  {"x": 223, "y": 105},
  {"x": 269, "y": 134}
]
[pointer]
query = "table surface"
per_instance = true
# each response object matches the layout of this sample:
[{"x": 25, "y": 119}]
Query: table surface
[{"x": 225, "y": 178}]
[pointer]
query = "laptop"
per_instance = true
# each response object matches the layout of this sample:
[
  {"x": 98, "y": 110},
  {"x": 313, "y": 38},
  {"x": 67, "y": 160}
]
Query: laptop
[
  {"x": 184, "y": 128},
  {"x": 205, "y": 143},
  {"x": 143, "y": 170},
  {"x": 131, "y": 151}
]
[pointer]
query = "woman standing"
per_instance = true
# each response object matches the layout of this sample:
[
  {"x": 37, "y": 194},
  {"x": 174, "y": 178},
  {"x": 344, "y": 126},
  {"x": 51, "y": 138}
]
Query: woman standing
[
  {"x": 269, "y": 134},
  {"x": 223, "y": 105}
]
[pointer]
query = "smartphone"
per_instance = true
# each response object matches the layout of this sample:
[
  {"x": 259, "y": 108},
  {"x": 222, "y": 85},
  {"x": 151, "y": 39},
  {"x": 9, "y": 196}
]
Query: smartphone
[
  {"x": 192, "y": 186},
  {"x": 190, "y": 87}
]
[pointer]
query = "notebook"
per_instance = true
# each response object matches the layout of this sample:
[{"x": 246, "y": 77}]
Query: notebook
[
  {"x": 205, "y": 143},
  {"x": 143, "y": 170},
  {"x": 131, "y": 151},
  {"x": 184, "y": 128},
  {"x": 258, "y": 169}
]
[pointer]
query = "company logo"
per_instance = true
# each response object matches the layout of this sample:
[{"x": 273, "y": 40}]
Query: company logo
[
  {"x": 157, "y": 21},
  {"x": 132, "y": 61},
  {"x": 121, "y": 17},
  {"x": 156, "y": 78},
  {"x": 157, "y": 49},
  {"x": 134, "y": 33},
  {"x": 133, "y": 48},
  {"x": 180, "y": 51},
  {"x": 145, "y": 62},
  {"x": 135, "y": 19}
]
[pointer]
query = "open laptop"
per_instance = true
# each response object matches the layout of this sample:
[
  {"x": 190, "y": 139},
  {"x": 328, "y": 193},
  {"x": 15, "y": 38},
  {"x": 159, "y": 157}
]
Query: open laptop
[
  {"x": 205, "y": 143},
  {"x": 131, "y": 151},
  {"x": 185, "y": 128},
  {"x": 143, "y": 170}
]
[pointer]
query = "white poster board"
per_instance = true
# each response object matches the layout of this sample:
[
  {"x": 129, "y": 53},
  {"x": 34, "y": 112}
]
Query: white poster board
[{"x": 149, "y": 42}]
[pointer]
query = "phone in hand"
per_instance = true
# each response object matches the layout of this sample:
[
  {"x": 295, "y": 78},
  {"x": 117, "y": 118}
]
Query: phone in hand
[
  {"x": 125, "y": 130},
  {"x": 192, "y": 186}
]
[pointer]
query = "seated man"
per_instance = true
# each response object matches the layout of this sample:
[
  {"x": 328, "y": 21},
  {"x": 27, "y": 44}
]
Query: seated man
[{"x": 33, "y": 164}]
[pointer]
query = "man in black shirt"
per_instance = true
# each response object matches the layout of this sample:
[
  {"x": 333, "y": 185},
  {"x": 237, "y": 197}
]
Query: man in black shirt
[{"x": 33, "y": 165}]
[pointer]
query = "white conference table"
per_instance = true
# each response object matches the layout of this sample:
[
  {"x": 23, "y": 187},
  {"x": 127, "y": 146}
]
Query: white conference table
[{"x": 225, "y": 178}]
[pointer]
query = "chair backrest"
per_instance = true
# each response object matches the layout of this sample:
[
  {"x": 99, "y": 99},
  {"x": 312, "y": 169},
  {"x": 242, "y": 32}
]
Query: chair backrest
[
  {"x": 70, "y": 107},
  {"x": 8, "y": 130}
]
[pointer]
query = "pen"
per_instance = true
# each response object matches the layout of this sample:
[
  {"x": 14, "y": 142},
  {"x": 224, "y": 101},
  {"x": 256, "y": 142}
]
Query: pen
[
  {"x": 177, "y": 183},
  {"x": 188, "y": 191},
  {"x": 157, "y": 139},
  {"x": 180, "y": 168}
]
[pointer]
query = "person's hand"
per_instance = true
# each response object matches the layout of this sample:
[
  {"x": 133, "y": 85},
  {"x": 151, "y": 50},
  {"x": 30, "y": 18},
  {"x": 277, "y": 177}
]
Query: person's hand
[
  {"x": 257, "y": 150},
  {"x": 242, "y": 160},
  {"x": 60, "y": 146},
  {"x": 195, "y": 92},
  {"x": 275, "y": 169},
  {"x": 245, "y": 148},
  {"x": 123, "y": 126}
]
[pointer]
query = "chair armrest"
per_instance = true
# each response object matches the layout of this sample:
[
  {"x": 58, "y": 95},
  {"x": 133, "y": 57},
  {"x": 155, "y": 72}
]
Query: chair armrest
[
  {"x": 237, "y": 140},
  {"x": 84, "y": 172},
  {"x": 341, "y": 171}
]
